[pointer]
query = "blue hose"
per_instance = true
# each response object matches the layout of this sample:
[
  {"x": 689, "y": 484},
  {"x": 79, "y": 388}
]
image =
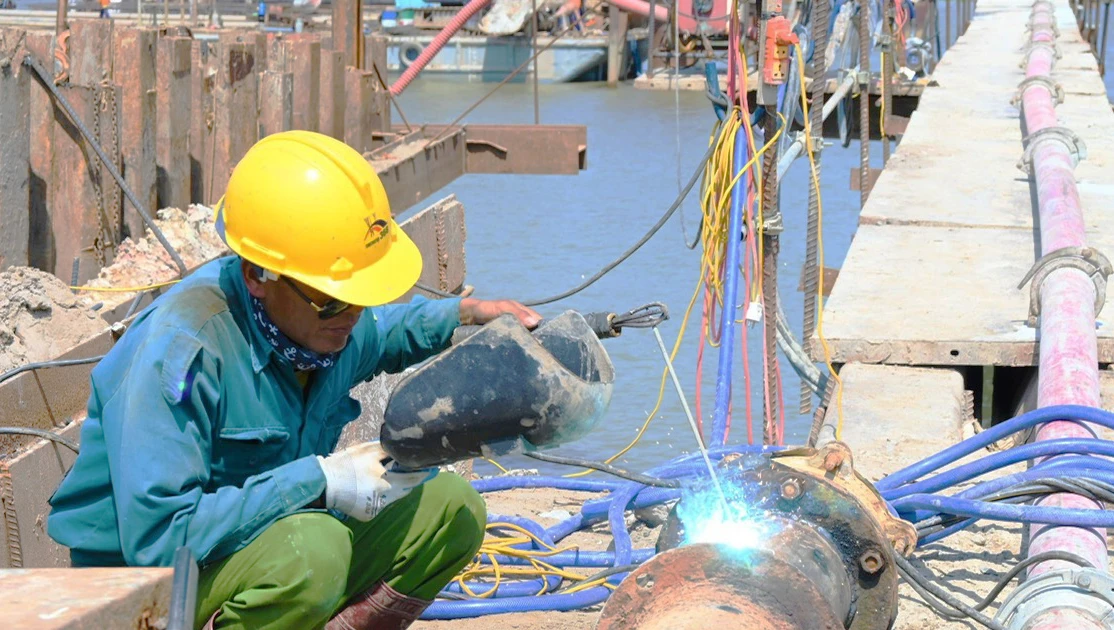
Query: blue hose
[
  {"x": 1007, "y": 512},
  {"x": 554, "y": 602},
  {"x": 989, "y": 436}
]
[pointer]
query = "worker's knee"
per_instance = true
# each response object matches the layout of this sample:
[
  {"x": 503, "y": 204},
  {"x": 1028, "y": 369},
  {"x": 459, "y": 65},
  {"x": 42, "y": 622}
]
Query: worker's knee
[
  {"x": 311, "y": 561},
  {"x": 465, "y": 512}
]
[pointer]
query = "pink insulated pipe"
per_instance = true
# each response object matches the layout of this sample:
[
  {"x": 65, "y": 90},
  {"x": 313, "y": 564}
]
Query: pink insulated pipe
[{"x": 1068, "y": 369}]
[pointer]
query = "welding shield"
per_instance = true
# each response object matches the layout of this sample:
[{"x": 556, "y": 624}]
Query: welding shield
[{"x": 503, "y": 389}]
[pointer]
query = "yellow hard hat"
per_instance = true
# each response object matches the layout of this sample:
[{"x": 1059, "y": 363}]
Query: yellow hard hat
[{"x": 307, "y": 206}]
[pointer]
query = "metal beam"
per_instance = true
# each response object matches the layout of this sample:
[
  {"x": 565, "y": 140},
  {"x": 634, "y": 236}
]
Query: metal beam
[
  {"x": 521, "y": 149},
  {"x": 412, "y": 168}
]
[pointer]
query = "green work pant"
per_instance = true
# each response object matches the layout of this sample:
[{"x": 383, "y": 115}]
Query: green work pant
[{"x": 303, "y": 568}]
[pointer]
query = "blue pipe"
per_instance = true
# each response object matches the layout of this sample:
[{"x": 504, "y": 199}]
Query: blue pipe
[
  {"x": 730, "y": 293},
  {"x": 1008, "y": 512},
  {"x": 561, "y": 483},
  {"x": 993, "y": 434}
]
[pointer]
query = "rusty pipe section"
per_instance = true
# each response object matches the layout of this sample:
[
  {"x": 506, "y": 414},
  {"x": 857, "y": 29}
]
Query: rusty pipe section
[
  {"x": 820, "y": 552},
  {"x": 799, "y": 582}
]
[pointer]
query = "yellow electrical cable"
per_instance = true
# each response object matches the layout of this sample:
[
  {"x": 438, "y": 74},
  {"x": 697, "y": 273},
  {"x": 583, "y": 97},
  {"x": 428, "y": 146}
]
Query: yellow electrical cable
[
  {"x": 820, "y": 249},
  {"x": 148, "y": 287},
  {"x": 496, "y": 464}
]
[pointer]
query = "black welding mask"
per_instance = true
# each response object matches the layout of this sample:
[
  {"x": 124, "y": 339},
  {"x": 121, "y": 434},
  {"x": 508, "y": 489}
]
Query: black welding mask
[{"x": 503, "y": 389}]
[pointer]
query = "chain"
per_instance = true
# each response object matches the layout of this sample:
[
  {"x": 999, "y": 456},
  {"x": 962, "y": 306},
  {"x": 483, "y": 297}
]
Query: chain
[{"x": 11, "y": 520}]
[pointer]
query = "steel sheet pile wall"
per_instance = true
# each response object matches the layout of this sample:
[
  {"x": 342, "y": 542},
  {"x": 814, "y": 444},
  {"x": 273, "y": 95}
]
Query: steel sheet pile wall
[{"x": 174, "y": 113}]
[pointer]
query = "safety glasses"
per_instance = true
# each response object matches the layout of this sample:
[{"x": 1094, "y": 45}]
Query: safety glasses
[{"x": 330, "y": 309}]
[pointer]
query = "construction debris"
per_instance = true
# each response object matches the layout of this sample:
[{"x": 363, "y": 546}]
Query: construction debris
[{"x": 40, "y": 318}]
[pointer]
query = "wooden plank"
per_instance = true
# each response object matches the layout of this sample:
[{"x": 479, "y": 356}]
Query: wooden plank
[
  {"x": 204, "y": 58},
  {"x": 41, "y": 247},
  {"x": 85, "y": 200},
  {"x": 173, "y": 114},
  {"x": 236, "y": 98},
  {"x": 276, "y": 102},
  {"x": 359, "y": 113},
  {"x": 134, "y": 62},
  {"x": 333, "y": 93},
  {"x": 90, "y": 51},
  {"x": 15, "y": 158}
]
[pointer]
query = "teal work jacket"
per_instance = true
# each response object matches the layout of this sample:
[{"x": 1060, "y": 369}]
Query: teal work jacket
[{"x": 199, "y": 435}]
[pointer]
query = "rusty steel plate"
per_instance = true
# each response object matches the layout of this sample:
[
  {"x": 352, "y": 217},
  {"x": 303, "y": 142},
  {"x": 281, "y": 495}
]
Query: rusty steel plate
[{"x": 706, "y": 586}]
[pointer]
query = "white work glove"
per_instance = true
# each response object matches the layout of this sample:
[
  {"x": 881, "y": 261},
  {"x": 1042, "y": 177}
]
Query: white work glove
[{"x": 361, "y": 480}]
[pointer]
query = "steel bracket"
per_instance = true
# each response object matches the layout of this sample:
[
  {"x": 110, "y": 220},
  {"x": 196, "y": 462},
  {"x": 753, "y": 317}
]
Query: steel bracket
[
  {"x": 863, "y": 77},
  {"x": 1043, "y": 80},
  {"x": 1075, "y": 146},
  {"x": 773, "y": 225},
  {"x": 1084, "y": 589},
  {"x": 1086, "y": 259},
  {"x": 1052, "y": 47}
]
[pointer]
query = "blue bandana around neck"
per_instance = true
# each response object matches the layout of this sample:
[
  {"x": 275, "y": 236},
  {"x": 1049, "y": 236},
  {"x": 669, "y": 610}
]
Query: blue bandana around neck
[{"x": 297, "y": 356}]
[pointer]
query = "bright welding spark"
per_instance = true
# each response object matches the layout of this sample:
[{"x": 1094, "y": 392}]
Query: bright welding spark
[{"x": 707, "y": 520}]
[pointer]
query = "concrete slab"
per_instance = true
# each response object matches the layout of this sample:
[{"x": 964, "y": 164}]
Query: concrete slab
[
  {"x": 85, "y": 599},
  {"x": 948, "y": 231}
]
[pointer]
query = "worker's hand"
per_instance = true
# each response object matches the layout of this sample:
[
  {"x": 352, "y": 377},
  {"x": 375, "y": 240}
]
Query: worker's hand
[
  {"x": 358, "y": 483},
  {"x": 474, "y": 311}
]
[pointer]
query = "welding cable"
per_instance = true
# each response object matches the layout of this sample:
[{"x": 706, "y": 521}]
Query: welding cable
[
  {"x": 638, "y": 245},
  {"x": 602, "y": 467},
  {"x": 46, "y": 435},
  {"x": 47, "y": 364},
  {"x": 995, "y": 461},
  {"x": 994, "y": 434},
  {"x": 935, "y": 596},
  {"x": 1028, "y": 514}
]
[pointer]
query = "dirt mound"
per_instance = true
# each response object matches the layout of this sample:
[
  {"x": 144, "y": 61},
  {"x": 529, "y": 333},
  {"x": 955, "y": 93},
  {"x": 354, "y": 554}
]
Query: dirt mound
[
  {"x": 40, "y": 318},
  {"x": 145, "y": 262}
]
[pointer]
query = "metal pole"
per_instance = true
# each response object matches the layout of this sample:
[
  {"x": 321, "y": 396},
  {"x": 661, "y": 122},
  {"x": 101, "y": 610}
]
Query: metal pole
[
  {"x": 534, "y": 52},
  {"x": 819, "y": 20},
  {"x": 771, "y": 243},
  {"x": 864, "y": 102},
  {"x": 948, "y": 24},
  {"x": 651, "y": 39},
  {"x": 1105, "y": 35},
  {"x": 887, "y": 75},
  {"x": 1068, "y": 364}
]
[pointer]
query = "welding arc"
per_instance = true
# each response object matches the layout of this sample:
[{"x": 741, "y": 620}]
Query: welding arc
[{"x": 606, "y": 468}]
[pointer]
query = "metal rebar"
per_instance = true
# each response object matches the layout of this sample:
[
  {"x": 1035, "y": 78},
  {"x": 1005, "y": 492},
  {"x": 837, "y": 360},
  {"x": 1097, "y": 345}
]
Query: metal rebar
[
  {"x": 864, "y": 102},
  {"x": 651, "y": 39},
  {"x": 534, "y": 50},
  {"x": 60, "y": 18},
  {"x": 391, "y": 97},
  {"x": 48, "y": 82},
  {"x": 887, "y": 75},
  {"x": 771, "y": 241},
  {"x": 1105, "y": 35},
  {"x": 819, "y": 18},
  {"x": 948, "y": 25}
]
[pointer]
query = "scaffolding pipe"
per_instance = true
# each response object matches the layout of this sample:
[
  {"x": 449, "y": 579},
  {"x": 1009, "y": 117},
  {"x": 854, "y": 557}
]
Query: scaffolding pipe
[{"x": 1068, "y": 367}]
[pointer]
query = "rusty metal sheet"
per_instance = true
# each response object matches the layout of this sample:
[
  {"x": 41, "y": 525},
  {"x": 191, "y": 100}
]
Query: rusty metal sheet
[
  {"x": 134, "y": 71},
  {"x": 412, "y": 168},
  {"x": 173, "y": 124},
  {"x": 347, "y": 21},
  {"x": 41, "y": 252},
  {"x": 85, "y": 201},
  {"x": 375, "y": 53},
  {"x": 204, "y": 71},
  {"x": 47, "y": 599},
  {"x": 523, "y": 149},
  {"x": 360, "y": 109},
  {"x": 872, "y": 178},
  {"x": 256, "y": 39},
  {"x": 236, "y": 102},
  {"x": 276, "y": 102},
  {"x": 333, "y": 94},
  {"x": 90, "y": 51},
  {"x": 439, "y": 233},
  {"x": 15, "y": 158},
  {"x": 303, "y": 60}
]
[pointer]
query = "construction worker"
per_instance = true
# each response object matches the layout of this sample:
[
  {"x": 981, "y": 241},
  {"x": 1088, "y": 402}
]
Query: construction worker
[{"x": 213, "y": 420}]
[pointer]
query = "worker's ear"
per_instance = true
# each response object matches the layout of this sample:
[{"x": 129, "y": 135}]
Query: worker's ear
[{"x": 257, "y": 287}]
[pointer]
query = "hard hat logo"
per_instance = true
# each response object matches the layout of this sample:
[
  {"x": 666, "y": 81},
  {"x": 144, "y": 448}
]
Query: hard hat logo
[{"x": 376, "y": 231}]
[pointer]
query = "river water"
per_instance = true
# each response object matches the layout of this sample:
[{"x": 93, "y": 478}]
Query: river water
[{"x": 534, "y": 236}]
